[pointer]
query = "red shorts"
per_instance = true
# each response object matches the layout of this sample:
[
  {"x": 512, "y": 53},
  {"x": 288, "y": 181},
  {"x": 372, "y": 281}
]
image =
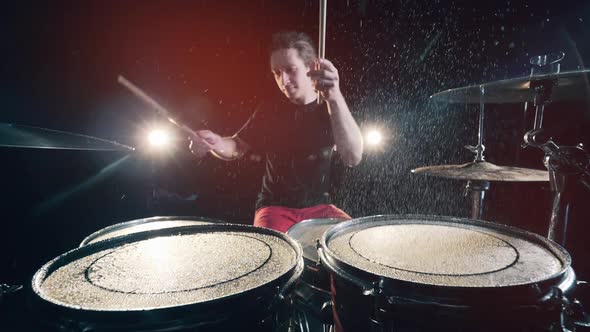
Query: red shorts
[{"x": 280, "y": 218}]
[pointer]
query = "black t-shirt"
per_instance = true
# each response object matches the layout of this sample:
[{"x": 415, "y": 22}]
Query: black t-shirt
[{"x": 298, "y": 145}]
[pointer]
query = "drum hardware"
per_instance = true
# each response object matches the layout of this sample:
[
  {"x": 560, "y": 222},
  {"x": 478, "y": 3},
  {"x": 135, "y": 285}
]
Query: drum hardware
[
  {"x": 478, "y": 190},
  {"x": 576, "y": 313},
  {"x": 8, "y": 289},
  {"x": 567, "y": 165},
  {"x": 574, "y": 316},
  {"x": 479, "y": 173}
]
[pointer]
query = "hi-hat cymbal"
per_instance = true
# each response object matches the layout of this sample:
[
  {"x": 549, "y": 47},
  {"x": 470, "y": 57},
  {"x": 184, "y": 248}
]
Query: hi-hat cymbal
[
  {"x": 20, "y": 136},
  {"x": 484, "y": 171},
  {"x": 571, "y": 86}
]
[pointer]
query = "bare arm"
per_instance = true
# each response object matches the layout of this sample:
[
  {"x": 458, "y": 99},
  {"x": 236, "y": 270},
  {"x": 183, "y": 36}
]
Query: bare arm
[{"x": 347, "y": 135}]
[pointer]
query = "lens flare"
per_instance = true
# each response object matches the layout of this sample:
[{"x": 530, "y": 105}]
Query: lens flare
[
  {"x": 159, "y": 138},
  {"x": 374, "y": 137}
]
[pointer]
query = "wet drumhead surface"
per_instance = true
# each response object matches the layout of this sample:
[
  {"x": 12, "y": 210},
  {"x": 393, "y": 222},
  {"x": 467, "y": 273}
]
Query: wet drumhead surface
[
  {"x": 141, "y": 227},
  {"x": 445, "y": 254},
  {"x": 441, "y": 250},
  {"x": 170, "y": 271}
]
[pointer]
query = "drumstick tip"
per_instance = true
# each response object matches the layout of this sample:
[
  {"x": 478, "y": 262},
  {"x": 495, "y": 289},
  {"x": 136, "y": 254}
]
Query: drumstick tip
[{"x": 121, "y": 79}]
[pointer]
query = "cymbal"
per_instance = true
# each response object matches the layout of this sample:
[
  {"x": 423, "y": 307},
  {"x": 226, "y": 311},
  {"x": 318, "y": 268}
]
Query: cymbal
[
  {"x": 571, "y": 86},
  {"x": 20, "y": 136},
  {"x": 484, "y": 171}
]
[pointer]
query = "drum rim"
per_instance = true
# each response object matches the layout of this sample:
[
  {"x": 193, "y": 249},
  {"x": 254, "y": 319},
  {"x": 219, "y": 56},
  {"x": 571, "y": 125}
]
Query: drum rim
[
  {"x": 282, "y": 283},
  {"x": 305, "y": 222},
  {"x": 359, "y": 276},
  {"x": 125, "y": 224}
]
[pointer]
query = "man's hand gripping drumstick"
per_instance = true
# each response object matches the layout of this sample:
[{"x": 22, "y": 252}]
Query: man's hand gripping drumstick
[{"x": 201, "y": 141}]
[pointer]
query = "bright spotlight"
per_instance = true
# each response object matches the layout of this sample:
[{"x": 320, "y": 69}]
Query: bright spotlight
[
  {"x": 159, "y": 138},
  {"x": 374, "y": 137}
]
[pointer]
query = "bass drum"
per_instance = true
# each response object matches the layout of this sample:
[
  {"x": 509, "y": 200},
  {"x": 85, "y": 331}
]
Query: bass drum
[
  {"x": 432, "y": 273},
  {"x": 144, "y": 224},
  {"x": 312, "y": 309},
  {"x": 210, "y": 277}
]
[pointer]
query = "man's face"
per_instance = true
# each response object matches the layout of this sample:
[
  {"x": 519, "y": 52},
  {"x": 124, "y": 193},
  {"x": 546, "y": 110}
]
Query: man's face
[{"x": 291, "y": 76}]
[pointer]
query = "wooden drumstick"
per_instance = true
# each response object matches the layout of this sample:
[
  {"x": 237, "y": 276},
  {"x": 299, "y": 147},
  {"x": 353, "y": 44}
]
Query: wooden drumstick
[
  {"x": 151, "y": 102},
  {"x": 322, "y": 38}
]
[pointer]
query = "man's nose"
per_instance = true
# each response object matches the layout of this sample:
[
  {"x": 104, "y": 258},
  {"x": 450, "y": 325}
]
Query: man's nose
[{"x": 284, "y": 78}]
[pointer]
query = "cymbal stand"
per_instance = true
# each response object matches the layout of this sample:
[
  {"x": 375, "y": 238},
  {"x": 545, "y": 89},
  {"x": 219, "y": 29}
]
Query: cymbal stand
[
  {"x": 8, "y": 289},
  {"x": 567, "y": 165},
  {"x": 478, "y": 188}
]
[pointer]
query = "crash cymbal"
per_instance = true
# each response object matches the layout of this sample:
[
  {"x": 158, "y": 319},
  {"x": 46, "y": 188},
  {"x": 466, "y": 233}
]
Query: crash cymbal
[
  {"x": 20, "y": 136},
  {"x": 484, "y": 171},
  {"x": 571, "y": 86}
]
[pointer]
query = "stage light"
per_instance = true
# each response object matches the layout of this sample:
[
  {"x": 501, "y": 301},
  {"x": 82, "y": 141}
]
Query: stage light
[
  {"x": 374, "y": 137},
  {"x": 159, "y": 138}
]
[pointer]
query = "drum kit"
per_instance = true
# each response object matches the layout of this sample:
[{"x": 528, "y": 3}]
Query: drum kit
[{"x": 377, "y": 273}]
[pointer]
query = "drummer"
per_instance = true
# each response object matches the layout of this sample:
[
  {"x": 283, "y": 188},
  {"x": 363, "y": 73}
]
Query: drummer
[{"x": 297, "y": 135}]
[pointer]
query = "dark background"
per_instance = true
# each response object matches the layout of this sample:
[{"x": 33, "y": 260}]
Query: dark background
[{"x": 207, "y": 62}]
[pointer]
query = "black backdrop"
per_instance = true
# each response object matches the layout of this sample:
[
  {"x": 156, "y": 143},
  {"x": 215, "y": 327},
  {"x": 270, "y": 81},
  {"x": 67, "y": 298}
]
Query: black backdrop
[{"x": 207, "y": 61}]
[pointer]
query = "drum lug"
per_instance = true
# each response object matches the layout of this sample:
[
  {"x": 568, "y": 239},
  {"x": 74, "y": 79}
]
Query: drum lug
[
  {"x": 280, "y": 295},
  {"x": 376, "y": 288},
  {"x": 318, "y": 247},
  {"x": 379, "y": 322},
  {"x": 574, "y": 314}
]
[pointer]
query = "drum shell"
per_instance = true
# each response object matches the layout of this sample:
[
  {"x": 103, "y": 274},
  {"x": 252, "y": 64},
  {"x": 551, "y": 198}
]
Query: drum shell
[
  {"x": 314, "y": 275},
  {"x": 263, "y": 308},
  {"x": 363, "y": 299},
  {"x": 359, "y": 310}
]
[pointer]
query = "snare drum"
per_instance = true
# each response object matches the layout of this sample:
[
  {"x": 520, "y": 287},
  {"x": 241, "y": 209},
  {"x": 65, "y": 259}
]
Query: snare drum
[
  {"x": 312, "y": 299},
  {"x": 144, "y": 224},
  {"x": 209, "y": 277},
  {"x": 441, "y": 273}
]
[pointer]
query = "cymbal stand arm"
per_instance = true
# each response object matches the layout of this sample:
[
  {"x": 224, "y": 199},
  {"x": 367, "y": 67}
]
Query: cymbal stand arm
[
  {"x": 567, "y": 165},
  {"x": 480, "y": 147},
  {"x": 478, "y": 191}
]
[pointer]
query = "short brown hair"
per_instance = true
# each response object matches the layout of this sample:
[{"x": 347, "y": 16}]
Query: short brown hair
[{"x": 299, "y": 41}]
